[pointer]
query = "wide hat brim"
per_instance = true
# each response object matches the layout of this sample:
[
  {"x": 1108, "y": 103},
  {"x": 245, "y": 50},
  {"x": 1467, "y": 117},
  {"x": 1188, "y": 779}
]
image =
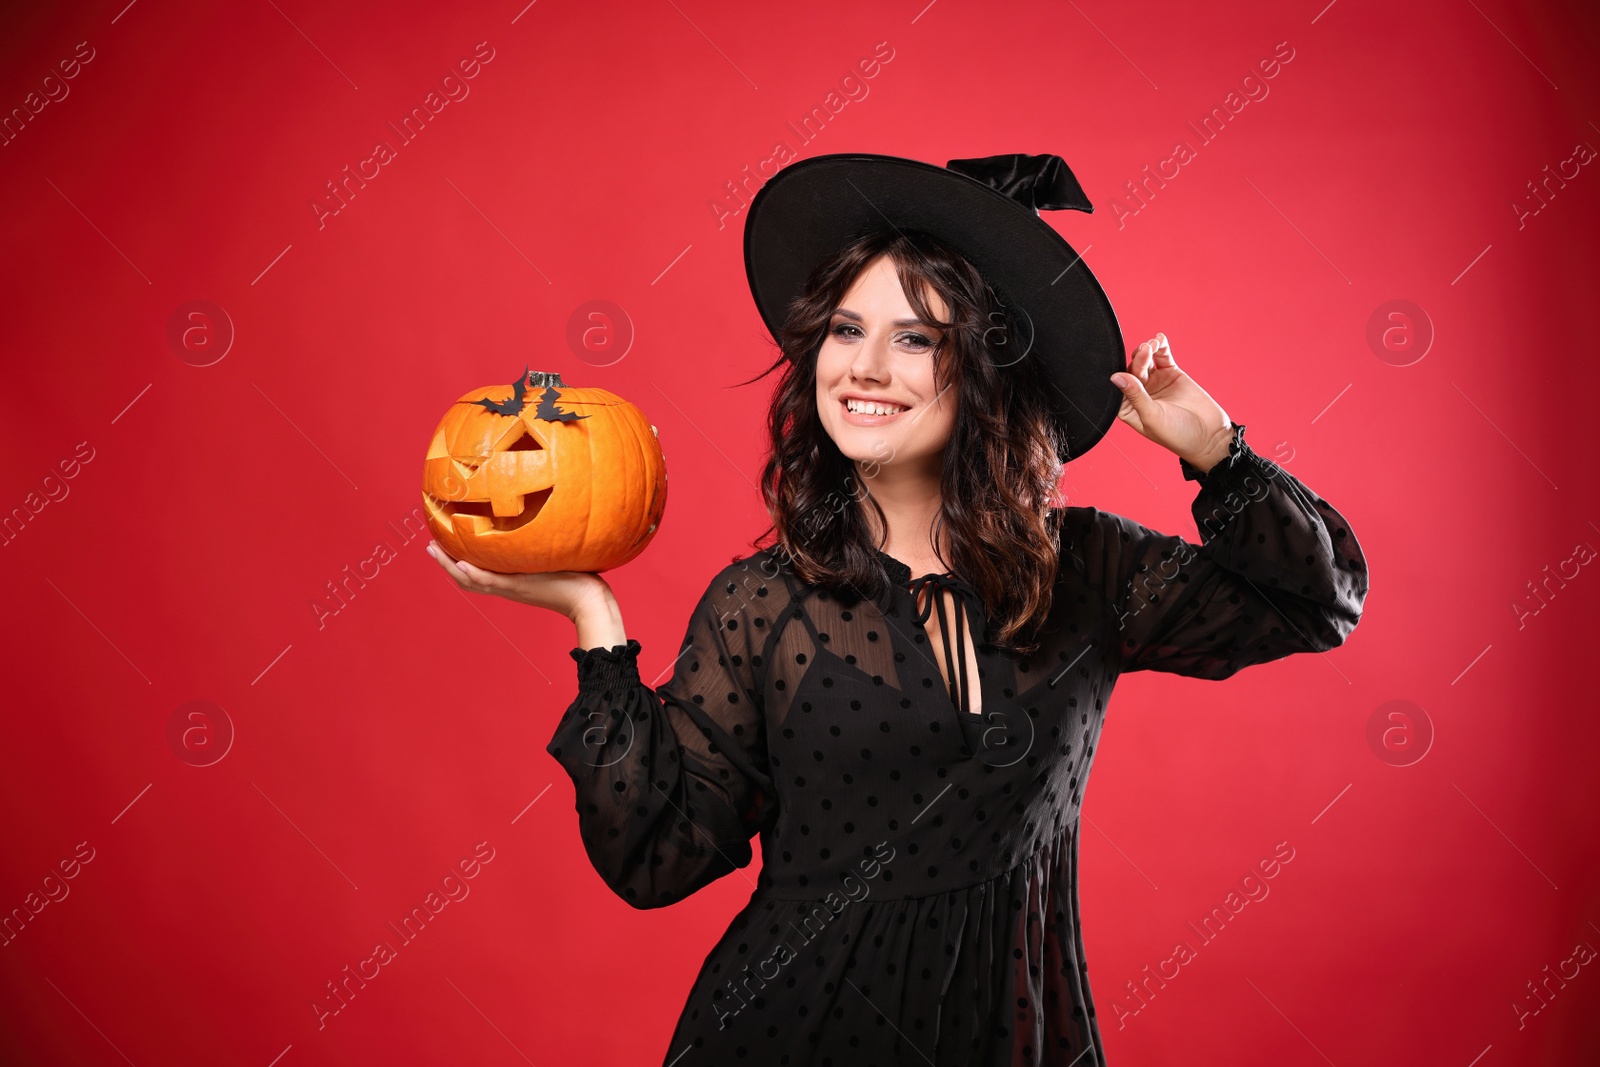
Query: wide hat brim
[{"x": 811, "y": 208}]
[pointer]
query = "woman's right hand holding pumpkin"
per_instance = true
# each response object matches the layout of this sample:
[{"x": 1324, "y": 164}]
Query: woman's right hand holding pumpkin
[{"x": 583, "y": 597}]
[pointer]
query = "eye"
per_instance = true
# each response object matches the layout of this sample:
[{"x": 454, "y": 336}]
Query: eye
[{"x": 915, "y": 341}]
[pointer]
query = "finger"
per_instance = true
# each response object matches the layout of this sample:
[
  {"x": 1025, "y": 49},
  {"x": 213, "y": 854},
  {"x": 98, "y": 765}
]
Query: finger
[
  {"x": 452, "y": 566},
  {"x": 1138, "y": 408},
  {"x": 1140, "y": 364},
  {"x": 442, "y": 558},
  {"x": 481, "y": 579},
  {"x": 1163, "y": 352}
]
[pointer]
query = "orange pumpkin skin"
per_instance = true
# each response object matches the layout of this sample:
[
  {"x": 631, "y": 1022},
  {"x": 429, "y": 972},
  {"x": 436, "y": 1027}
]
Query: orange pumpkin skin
[{"x": 525, "y": 494}]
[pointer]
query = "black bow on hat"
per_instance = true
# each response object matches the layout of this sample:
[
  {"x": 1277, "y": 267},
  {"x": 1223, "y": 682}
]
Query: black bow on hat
[{"x": 1043, "y": 183}]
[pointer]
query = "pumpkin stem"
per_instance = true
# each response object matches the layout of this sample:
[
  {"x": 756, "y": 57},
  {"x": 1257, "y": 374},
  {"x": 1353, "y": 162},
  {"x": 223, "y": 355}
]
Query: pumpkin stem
[{"x": 541, "y": 379}]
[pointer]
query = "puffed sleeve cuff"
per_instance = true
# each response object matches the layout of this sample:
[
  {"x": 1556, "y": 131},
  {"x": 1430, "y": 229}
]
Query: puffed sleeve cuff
[
  {"x": 609, "y": 669},
  {"x": 1230, "y": 471}
]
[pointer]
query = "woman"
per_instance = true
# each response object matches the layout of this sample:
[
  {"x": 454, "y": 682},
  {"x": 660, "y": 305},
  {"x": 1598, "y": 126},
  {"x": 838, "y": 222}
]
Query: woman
[{"x": 902, "y": 695}]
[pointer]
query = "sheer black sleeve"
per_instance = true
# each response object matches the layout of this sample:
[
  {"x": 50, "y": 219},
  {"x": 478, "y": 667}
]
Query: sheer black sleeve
[
  {"x": 673, "y": 782},
  {"x": 1277, "y": 571}
]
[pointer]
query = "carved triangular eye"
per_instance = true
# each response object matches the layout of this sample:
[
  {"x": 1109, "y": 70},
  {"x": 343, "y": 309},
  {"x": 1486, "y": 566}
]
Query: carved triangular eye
[{"x": 526, "y": 443}]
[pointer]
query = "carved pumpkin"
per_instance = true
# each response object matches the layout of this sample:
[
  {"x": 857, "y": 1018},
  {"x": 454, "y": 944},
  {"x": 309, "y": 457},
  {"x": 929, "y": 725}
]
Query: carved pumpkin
[{"x": 537, "y": 476}]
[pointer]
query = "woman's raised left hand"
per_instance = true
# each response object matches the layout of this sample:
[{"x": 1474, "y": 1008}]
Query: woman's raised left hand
[{"x": 1166, "y": 405}]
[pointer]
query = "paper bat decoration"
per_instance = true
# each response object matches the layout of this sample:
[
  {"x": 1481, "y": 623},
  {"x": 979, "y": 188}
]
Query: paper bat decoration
[
  {"x": 548, "y": 410},
  {"x": 512, "y": 406}
]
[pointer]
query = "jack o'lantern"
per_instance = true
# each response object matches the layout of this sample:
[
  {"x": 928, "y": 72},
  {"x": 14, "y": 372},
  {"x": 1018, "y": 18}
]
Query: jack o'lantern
[{"x": 537, "y": 476}]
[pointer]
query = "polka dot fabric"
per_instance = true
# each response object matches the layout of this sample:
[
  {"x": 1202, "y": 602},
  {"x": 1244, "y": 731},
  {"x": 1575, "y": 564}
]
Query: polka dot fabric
[{"x": 918, "y": 897}]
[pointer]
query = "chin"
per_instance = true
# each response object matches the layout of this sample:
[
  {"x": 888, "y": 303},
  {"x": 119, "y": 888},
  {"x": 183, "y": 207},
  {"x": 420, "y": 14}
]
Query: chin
[{"x": 860, "y": 444}]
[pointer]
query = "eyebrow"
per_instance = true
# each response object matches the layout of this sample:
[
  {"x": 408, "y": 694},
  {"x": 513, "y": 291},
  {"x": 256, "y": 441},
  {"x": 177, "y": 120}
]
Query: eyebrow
[{"x": 847, "y": 313}]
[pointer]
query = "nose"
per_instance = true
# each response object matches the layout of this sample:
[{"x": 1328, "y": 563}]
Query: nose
[{"x": 871, "y": 362}]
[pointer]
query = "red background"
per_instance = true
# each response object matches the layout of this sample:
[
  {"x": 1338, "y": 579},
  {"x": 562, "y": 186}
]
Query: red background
[{"x": 374, "y": 752}]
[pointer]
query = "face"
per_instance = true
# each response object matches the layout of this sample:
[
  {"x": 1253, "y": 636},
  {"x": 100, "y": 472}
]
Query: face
[{"x": 878, "y": 353}]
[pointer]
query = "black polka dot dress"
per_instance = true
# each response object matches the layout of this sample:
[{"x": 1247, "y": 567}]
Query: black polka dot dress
[{"x": 917, "y": 901}]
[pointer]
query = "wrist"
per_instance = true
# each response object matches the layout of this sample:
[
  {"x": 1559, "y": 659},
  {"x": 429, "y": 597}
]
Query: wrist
[
  {"x": 598, "y": 619},
  {"x": 1211, "y": 456},
  {"x": 1229, "y": 447}
]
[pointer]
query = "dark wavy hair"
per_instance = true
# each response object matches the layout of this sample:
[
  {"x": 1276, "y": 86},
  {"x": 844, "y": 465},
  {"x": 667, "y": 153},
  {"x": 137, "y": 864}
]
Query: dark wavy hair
[{"x": 1000, "y": 467}]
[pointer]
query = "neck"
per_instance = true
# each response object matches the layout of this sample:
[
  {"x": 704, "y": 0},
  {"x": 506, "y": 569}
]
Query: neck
[{"x": 910, "y": 499}]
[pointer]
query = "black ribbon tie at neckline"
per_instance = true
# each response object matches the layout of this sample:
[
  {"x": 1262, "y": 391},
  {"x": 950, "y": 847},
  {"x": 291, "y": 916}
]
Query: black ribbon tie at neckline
[{"x": 955, "y": 656}]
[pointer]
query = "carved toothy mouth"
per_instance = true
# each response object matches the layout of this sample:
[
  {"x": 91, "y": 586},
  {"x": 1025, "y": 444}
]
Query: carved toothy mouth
[{"x": 481, "y": 514}]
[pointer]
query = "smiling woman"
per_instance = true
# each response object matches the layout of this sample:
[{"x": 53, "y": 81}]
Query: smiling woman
[
  {"x": 897, "y": 376},
  {"x": 924, "y": 666}
]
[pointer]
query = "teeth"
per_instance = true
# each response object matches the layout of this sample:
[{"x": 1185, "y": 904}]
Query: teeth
[{"x": 864, "y": 408}]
